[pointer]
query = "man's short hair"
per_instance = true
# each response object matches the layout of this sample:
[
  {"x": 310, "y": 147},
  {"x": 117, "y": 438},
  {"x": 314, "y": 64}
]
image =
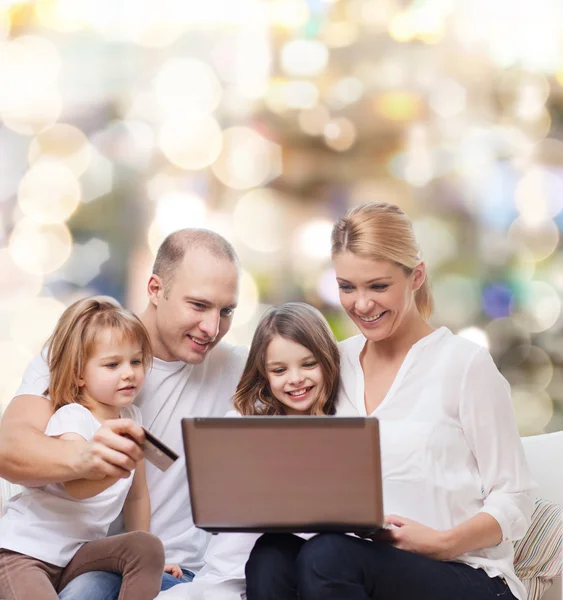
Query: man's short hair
[{"x": 173, "y": 249}]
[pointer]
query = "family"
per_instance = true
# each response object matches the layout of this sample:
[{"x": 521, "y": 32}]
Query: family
[{"x": 96, "y": 523}]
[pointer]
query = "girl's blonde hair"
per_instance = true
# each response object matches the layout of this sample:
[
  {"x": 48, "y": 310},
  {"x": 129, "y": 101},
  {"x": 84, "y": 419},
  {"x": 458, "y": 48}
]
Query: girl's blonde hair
[
  {"x": 74, "y": 339},
  {"x": 302, "y": 324},
  {"x": 382, "y": 231}
]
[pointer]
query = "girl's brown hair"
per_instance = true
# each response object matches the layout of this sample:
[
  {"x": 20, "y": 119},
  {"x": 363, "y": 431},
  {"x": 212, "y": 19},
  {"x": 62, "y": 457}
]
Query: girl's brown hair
[
  {"x": 302, "y": 324},
  {"x": 74, "y": 339},
  {"x": 382, "y": 231}
]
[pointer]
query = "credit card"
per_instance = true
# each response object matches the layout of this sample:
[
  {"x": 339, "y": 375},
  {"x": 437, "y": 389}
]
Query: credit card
[{"x": 158, "y": 453}]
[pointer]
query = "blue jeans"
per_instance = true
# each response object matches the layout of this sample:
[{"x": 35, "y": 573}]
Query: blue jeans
[
  {"x": 332, "y": 566},
  {"x": 102, "y": 585}
]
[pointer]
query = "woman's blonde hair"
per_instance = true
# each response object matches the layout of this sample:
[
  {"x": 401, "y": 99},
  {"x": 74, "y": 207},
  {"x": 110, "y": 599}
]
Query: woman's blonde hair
[
  {"x": 302, "y": 324},
  {"x": 74, "y": 339},
  {"x": 382, "y": 231}
]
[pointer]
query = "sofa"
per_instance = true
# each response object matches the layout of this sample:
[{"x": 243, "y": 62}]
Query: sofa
[{"x": 545, "y": 457}]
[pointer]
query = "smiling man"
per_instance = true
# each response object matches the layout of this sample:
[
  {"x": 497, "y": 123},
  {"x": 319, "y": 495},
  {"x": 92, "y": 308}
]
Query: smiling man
[{"x": 192, "y": 295}]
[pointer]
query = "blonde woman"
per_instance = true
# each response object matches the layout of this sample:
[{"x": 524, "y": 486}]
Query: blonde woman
[
  {"x": 49, "y": 535},
  {"x": 457, "y": 490}
]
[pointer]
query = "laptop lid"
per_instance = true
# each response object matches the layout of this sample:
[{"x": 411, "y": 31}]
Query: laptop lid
[{"x": 293, "y": 474}]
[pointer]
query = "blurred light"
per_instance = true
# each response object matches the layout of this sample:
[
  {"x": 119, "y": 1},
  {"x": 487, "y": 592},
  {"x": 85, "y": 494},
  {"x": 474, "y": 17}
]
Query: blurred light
[
  {"x": 552, "y": 271},
  {"x": 247, "y": 301},
  {"x": 437, "y": 242},
  {"x": 457, "y": 299},
  {"x": 327, "y": 288},
  {"x": 5, "y": 24},
  {"x": 424, "y": 22},
  {"x": 18, "y": 287},
  {"x": 339, "y": 34},
  {"x": 63, "y": 142},
  {"x": 253, "y": 61},
  {"x": 313, "y": 120},
  {"x": 531, "y": 98},
  {"x": 191, "y": 141},
  {"x": 539, "y": 195},
  {"x": 31, "y": 326},
  {"x": 401, "y": 28},
  {"x": 290, "y": 14},
  {"x": 97, "y": 180},
  {"x": 29, "y": 67},
  {"x": 176, "y": 210},
  {"x": 131, "y": 142},
  {"x": 247, "y": 159},
  {"x": 398, "y": 106},
  {"x": 315, "y": 239},
  {"x": 533, "y": 408},
  {"x": 258, "y": 221},
  {"x": 14, "y": 360},
  {"x": 497, "y": 300},
  {"x": 538, "y": 307},
  {"x": 13, "y": 163},
  {"x": 375, "y": 14},
  {"x": 540, "y": 239},
  {"x": 49, "y": 192},
  {"x": 40, "y": 248},
  {"x": 447, "y": 99},
  {"x": 86, "y": 261},
  {"x": 504, "y": 334},
  {"x": 147, "y": 23},
  {"x": 31, "y": 116},
  {"x": 347, "y": 90},
  {"x": 416, "y": 165},
  {"x": 300, "y": 94},
  {"x": 340, "y": 134},
  {"x": 476, "y": 335},
  {"x": 163, "y": 182},
  {"x": 527, "y": 365},
  {"x": 61, "y": 15},
  {"x": 303, "y": 58},
  {"x": 184, "y": 85}
]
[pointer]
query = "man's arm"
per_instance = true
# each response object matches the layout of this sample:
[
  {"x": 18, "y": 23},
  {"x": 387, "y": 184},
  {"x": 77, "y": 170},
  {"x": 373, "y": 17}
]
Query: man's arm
[{"x": 29, "y": 457}]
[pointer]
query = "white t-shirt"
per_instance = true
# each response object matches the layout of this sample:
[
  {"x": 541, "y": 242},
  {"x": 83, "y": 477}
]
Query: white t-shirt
[
  {"x": 49, "y": 524},
  {"x": 449, "y": 442},
  {"x": 173, "y": 390}
]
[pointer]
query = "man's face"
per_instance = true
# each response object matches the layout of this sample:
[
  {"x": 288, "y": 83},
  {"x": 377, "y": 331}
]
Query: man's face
[{"x": 197, "y": 310}]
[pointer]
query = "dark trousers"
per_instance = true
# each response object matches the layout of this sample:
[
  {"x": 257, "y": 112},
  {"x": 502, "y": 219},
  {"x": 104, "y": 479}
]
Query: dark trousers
[{"x": 333, "y": 566}]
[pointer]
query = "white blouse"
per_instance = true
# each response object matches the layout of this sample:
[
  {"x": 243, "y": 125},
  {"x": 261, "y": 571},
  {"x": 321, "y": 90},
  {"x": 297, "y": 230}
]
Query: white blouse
[{"x": 450, "y": 446}]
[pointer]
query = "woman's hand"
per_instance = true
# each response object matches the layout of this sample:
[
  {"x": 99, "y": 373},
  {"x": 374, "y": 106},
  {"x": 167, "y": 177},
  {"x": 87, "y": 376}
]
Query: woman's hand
[
  {"x": 173, "y": 570},
  {"x": 412, "y": 536}
]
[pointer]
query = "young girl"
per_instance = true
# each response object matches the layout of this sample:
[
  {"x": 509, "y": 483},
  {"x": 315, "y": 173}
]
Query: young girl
[
  {"x": 97, "y": 356},
  {"x": 292, "y": 369}
]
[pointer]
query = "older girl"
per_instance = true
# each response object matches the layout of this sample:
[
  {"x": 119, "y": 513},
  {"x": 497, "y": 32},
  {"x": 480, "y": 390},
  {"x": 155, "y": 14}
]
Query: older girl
[{"x": 292, "y": 369}]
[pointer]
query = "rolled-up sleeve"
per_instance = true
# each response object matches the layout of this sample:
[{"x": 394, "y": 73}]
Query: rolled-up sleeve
[{"x": 489, "y": 424}]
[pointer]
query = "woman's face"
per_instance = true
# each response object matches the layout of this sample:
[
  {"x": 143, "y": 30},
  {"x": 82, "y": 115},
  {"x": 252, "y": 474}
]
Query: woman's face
[
  {"x": 294, "y": 375},
  {"x": 377, "y": 294}
]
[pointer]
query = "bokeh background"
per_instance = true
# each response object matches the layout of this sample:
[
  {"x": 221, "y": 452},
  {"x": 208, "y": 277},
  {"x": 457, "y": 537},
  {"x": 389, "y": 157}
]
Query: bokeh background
[{"x": 123, "y": 120}]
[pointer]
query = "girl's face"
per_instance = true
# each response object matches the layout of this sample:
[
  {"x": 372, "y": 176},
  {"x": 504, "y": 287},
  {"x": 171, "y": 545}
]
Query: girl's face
[
  {"x": 294, "y": 375},
  {"x": 377, "y": 294},
  {"x": 114, "y": 373}
]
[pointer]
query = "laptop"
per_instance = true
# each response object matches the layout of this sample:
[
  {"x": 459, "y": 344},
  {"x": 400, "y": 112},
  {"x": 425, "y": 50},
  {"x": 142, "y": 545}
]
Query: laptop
[{"x": 284, "y": 474}]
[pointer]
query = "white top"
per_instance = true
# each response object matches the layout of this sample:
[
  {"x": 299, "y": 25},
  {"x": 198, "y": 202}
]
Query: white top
[
  {"x": 449, "y": 443},
  {"x": 173, "y": 390},
  {"x": 49, "y": 524}
]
